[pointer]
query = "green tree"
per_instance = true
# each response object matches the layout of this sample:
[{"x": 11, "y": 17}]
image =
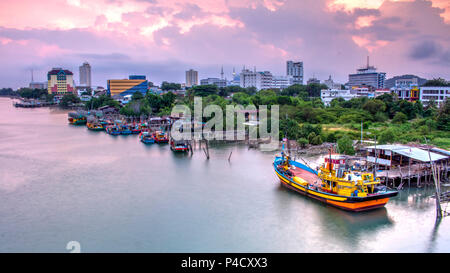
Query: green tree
[
  {"x": 68, "y": 99},
  {"x": 400, "y": 118},
  {"x": 7, "y": 92},
  {"x": 203, "y": 90},
  {"x": 166, "y": 86},
  {"x": 302, "y": 142},
  {"x": 317, "y": 140},
  {"x": 386, "y": 136},
  {"x": 345, "y": 145},
  {"x": 314, "y": 89},
  {"x": 374, "y": 106},
  {"x": 294, "y": 90},
  {"x": 437, "y": 82},
  {"x": 290, "y": 128},
  {"x": 408, "y": 109},
  {"x": 443, "y": 117},
  {"x": 137, "y": 96}
]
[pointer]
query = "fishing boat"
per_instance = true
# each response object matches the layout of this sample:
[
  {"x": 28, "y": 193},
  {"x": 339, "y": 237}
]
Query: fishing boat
[
  {"x": 113, "y": 130},
  {"x": 104, "y": 123},
  {"x": 77, "y": 118},
  {"x": 125, "y": 129},
  {"x": 93, "y": 126},
  {"x": 135, "y": 129},
  {"x": 161, "y": 137},
  {"x": 146, "y": 137},
  {"x": 333, "y": 183},
  {"x": 178, "y": 145}
]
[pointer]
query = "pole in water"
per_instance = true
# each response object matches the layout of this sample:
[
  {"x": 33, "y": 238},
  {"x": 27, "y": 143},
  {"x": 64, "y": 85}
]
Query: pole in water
[
  {"x": 230, "y": 155},
  {"x": 436, "y": 184}
]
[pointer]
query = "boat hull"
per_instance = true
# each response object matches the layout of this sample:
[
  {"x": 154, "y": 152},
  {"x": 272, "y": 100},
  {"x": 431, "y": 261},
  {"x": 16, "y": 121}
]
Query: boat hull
[
  {"x": 180, "y": 150},
  {"x": 147, "y": 141},
  {"x": 348, "y": 203}
]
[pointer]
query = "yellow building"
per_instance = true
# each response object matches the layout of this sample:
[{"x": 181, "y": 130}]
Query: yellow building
[
  {"x": 60, "y": 81},
  {"x": 128, "y": 86}
]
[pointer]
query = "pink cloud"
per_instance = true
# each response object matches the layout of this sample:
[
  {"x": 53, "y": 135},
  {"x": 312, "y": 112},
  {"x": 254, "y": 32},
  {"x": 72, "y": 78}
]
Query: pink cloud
[{"x": 330, "y": 36}]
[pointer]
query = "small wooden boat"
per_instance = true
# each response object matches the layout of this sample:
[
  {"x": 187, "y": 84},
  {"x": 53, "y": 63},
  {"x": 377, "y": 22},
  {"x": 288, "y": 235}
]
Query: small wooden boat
[
  {"x": 334, "y": 184},
  {"x": 147, "y": 137},
  {"x": 161, "y": 137}
]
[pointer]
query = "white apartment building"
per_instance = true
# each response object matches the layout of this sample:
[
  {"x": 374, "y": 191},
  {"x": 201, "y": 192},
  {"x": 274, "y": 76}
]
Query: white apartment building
[
  {"x": 438, "y": 94},
  {"x": 282, "y": 82},
  {"x": 260, "y": 80}
]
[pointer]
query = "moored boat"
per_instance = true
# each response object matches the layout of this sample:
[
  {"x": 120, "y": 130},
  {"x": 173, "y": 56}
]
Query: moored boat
[
  {"x": 125, "y": 129},
  {"x": 334, "y": 184},
  {"x": 135, "y": 129},
  {"x": 146, "y": 137},
  {"x": 77, "y": 118},
  {"x": 161, "y": 137},
  {"x": 95, "y": 126},
  {"x": 178, "y": 145},
  {"x": 113, "y": 130}
]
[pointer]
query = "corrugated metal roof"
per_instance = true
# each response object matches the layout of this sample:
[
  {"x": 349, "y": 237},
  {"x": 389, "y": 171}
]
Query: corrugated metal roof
[
  {"x": 439, "y": 150},
  {"x": 412, "y": 152}
]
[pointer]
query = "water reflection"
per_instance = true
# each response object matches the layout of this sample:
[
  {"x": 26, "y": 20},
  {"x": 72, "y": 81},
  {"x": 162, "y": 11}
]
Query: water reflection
[
  {"x": 349, "y": 228},
  {"x": 434, "y": 234},
  {"x": 61, "y": 182}
]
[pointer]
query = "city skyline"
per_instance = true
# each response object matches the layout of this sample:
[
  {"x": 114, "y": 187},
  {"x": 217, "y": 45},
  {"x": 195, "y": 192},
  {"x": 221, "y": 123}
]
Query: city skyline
[{"x": 163, "y": 39}]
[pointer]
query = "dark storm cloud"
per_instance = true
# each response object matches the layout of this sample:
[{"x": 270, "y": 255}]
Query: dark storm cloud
[{"x": 424, "y": 50}]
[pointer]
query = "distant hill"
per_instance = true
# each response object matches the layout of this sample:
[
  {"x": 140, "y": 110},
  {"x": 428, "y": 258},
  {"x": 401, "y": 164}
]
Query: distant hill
[{"x": 389, "y": 83}]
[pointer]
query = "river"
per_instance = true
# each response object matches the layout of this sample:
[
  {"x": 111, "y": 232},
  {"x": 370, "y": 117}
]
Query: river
[{"x": 61, "y": 183}]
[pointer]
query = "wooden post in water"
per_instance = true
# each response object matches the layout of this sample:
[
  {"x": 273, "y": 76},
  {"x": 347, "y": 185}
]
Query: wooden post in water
[
  {"x": 409, "y": 173},
  {"x": 230, "y": 155},
  {"x": 436, "y": 184}
]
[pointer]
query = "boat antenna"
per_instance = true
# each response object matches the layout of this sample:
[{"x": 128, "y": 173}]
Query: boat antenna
[{"x": 376, "y": 157}]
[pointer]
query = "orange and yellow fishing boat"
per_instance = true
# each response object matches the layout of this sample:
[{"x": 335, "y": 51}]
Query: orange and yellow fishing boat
[{"x": 333, "y": 183}]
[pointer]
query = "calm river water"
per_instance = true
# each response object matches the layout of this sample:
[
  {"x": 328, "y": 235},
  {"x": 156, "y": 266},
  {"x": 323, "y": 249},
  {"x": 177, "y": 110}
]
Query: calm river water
[{"x": 61, "y": 183}]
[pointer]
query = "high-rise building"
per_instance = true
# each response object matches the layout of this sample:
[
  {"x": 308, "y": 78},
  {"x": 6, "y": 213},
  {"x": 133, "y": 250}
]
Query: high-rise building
[
  {"x": 135, "y": 83},
  {"x": 367, "y": 76},
  {"x": 85, "y": 74},
  {"x": 60, "y": 81},
  {"x": 191, "y": 78},
  {"x": 295, "y": 69}
]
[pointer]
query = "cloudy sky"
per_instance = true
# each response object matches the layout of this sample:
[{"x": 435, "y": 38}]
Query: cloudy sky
[{"x": 163, "y": 38}]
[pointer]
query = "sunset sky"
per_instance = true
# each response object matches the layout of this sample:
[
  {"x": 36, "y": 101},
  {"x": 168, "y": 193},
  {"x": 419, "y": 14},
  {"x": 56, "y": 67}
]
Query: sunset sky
[{"x": 163, "y": 38}]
